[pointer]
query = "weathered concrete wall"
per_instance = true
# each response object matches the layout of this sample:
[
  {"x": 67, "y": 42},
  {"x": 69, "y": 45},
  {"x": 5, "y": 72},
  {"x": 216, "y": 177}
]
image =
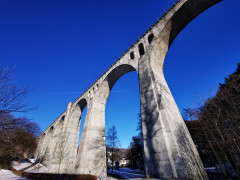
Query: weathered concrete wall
[{"x": 169, "y": 151}]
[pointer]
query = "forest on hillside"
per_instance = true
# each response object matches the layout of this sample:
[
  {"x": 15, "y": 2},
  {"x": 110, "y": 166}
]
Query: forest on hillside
[{"x": 215, "y": 128}]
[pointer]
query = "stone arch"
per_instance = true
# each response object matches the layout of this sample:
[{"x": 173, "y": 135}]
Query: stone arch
[
  {"x": 181, "y": 18},
  {"x": 108, "y": 83},
  {"x": 106, "y": 87},
  {"x": 118, "y": 72},
  {"x": 91, "y": 155},
  {"x": 113, "y": 78},
  {"x": 73, "y": 132},
  {"x": 82, "y": 104},
  {"x": 76, "y": 116}
]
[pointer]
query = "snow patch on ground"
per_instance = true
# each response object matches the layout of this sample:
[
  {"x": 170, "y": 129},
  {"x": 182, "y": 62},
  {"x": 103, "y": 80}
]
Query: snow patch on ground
[
  {"x": 127, "y": 173},
  {"x": 18, "y": 166},
  {"x": 38, "y": 168},
  {"x": 32, "y": 160},
  {"x": 8, "y": 175},
  {"x": 105, "y": 178}
]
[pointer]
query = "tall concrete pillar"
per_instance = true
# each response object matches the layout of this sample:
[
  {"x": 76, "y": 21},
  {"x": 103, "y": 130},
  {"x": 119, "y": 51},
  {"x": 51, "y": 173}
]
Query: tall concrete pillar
[
  {"x": 39, "y": 151},
  {"x": 168, "y": 148},
  {"x": 169, "y": 151},
  {"x": 65, "y": 143},
  {"x": 92, "y": 151},
  {"x": 54, "y": 145},
  {"x": 91, "y": 158}
]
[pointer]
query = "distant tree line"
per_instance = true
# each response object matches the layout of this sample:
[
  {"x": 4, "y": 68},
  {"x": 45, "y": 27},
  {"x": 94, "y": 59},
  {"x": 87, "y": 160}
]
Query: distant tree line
[
  {"x": 17, "y": 135},
  {"x": 215, "y": 128}
]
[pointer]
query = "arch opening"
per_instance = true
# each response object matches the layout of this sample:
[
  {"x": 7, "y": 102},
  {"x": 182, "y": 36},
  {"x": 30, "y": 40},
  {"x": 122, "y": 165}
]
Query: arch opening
[
  {"x": 117, "y": 73},
  {"x": 141, "y": 49},
  {"x": 132, "y": 55},
  {"x": 81, "y": 123},
  {"x": 122, "y": 107},
  {"x": 150, "y": 38},
  {"x": 62, "y": 119},
  {"x": 79, "y": 116}
]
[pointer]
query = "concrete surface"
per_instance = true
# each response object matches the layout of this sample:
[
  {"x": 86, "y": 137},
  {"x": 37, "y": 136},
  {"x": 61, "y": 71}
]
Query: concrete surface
[{"x": 169, "y": 152}]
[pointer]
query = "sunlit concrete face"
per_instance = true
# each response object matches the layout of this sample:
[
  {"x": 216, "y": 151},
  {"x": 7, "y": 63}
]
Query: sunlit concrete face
[{"x": 169, "y": 152}]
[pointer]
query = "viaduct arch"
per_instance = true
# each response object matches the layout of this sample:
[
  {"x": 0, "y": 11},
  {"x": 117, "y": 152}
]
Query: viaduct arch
[{"x": 169, "y": 151}]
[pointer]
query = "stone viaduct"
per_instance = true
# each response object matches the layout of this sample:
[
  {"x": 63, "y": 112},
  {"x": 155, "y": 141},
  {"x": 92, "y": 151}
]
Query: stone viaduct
[{"x": 169, "y": 151}]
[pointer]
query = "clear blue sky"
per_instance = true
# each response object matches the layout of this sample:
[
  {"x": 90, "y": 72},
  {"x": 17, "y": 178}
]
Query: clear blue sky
[{"x": 59, "y": 47}]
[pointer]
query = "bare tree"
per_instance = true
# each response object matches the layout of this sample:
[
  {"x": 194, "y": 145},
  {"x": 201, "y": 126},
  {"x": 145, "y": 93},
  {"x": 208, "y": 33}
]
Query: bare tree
[
  {"x": 17, "y": 135},
  {"x": 219, "y": 119},
  {"x": 61, "y": 150},
  {"x": 113, "y": 143},
  {"x": 12, "y": 98}
]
